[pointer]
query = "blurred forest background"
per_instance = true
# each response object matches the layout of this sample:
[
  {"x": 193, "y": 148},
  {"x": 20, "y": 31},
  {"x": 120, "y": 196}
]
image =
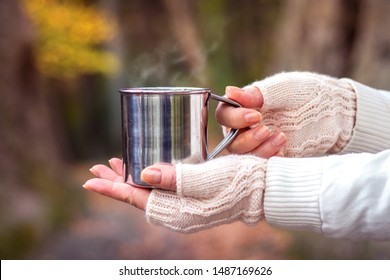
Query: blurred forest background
[{"x": 62, "y": 63}]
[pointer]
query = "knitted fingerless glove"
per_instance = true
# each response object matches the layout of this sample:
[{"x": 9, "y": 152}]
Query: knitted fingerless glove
[
  {"x": 316, "y": 112},
  {"x": 216, "y": 192}
]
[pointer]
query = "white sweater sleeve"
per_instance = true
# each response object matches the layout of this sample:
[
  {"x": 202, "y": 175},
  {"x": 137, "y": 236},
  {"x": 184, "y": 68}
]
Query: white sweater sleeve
[
  {"x": 341, "y": 196},
  {"x": 372, "y": 127}
]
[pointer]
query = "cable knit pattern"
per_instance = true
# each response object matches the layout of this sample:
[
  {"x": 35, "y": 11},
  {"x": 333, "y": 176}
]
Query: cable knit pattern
[
  {"x": 212, "y": 193},
  {"x": 316, "y": 112}
]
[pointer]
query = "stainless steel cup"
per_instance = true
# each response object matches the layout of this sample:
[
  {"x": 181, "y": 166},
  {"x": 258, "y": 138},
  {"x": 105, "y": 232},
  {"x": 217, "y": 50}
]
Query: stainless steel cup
[{"x": 166, "y": 124}]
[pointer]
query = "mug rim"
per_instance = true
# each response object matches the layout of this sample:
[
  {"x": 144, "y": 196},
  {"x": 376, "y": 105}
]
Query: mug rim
[{"x": 164, "y": 90}]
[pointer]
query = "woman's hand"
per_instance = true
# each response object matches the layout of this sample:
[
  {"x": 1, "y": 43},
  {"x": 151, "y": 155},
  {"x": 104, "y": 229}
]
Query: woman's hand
[
  {"x": 190, "y": 197},
  {"x": 254, "y": 137},
  {"x": 109, "y": 181},
  {"x": 315, "y": 112}
]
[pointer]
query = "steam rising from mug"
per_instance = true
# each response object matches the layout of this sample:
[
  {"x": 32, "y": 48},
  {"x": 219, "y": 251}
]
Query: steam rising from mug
[{"x": 166, "y": 124}]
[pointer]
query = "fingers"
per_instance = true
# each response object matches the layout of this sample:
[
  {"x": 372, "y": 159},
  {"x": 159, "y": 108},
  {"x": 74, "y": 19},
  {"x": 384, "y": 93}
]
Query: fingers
[
  {"x": 104, "y": 172},
  {"x": 160, "y": 175},
  {"x": 249, "y": 98},
  {"x": 111, "y": 183},
  {"x": 116, "y": 165},
  {"x": 271, "y": 147},
  {"x": 137, "y": 197},
  {"x": 248, "y": 140},
  {"x": 236, "y": 117},
  {"x": 258, "y": 141}
]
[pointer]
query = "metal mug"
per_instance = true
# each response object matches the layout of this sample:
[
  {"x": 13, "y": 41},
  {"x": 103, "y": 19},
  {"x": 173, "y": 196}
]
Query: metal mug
[{"x": 166, "y": 124}]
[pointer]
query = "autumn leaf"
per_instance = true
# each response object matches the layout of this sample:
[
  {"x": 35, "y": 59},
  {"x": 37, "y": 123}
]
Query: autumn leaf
[{"x": 71, "y": 38}]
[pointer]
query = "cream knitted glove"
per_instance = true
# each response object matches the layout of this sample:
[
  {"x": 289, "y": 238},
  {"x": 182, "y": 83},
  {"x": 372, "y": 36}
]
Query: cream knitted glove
[
  {"x": 216, "y": 192},
  {"x": 316, "y": 112}
]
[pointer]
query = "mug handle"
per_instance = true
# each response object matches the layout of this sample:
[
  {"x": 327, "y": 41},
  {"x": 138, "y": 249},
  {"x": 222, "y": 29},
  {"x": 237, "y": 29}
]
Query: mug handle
[{"x": 233, "y": 132}]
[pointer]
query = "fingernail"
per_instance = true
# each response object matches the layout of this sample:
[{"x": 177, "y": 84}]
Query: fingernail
[
  {"x": 253, "y": 117},
  {"x": 151, "y": 176},
  {"x": 231, "y": 88},
  {"x": 87, "y": 184},
  {"x": 252, "y": 90},
  {"x": 93, "y": 171},
  {"x": 278, "y": 139},
  {"x": 262, "y": 133}
]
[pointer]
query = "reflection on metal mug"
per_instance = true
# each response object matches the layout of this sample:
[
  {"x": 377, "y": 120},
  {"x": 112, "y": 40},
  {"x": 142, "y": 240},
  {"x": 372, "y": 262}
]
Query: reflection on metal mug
[{"x": 166, "y": 124}]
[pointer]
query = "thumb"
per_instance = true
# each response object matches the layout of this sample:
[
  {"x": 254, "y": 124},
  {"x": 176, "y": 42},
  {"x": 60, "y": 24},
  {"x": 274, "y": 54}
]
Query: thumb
[
  {"x": 160, "y": 175},
  {"x": 248, "y": 97}
]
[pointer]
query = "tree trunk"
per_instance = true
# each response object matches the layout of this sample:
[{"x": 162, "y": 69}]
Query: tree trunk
[
  {"x": 185, "y": 33},
  {"x": 30, "y": 159},
  {"x": 370, "y": 62},
  {"x": 317, "y": 35},
  {"x": 340, "y": 38}
]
